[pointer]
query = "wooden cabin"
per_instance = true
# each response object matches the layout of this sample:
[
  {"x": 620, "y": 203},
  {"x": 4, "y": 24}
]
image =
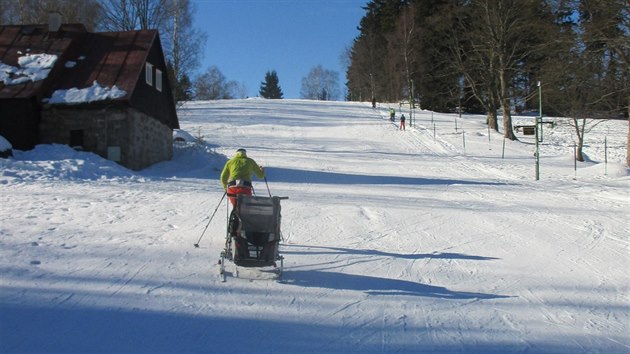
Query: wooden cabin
[{"x": 61, "y": 103}]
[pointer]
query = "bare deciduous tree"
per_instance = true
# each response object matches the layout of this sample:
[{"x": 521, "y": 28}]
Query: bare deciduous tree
[
  {"x": 212, "y": 85},
  {"x": 476, "y": 63},
  {"x": 320, "y": 84},
  {"x": 185, "y": 44},
  {"x": 128, "y": 15},
  {"x": 182, "y": 43},
  {"x": 502, "y": 31},
  {"x": 87, "y": 12}
]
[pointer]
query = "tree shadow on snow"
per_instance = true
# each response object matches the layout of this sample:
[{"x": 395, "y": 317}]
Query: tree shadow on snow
[
  {"x": 321, "y": 177},
  {"x": 76, "y": 329},
  {"x": 286, "y": 249},
  {"x": 373, "y": 285},
  {"x": 377, "y": 286}
]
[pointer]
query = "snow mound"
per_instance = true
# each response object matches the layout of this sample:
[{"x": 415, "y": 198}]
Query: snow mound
[
  {"x": 60, "y": 162},
  {"x": 182, "y": 135},
  {"x": 596, "y": 170},
  {"x": 4, "y": 144},
  {"x": 190, "y": 160}
]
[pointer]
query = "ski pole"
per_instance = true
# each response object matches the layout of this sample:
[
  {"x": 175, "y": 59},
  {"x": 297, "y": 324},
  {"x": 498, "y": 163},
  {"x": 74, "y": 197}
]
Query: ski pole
[
  {"x": 267, "y": 184},
  {"x": 208, "y": 224}
]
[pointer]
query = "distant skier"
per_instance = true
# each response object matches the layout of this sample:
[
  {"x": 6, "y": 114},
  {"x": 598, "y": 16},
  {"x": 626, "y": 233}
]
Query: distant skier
[
  {"x": 236, "y": 176},
  {"x": 392, "y": 114},
  {"x": 402, "y": 122}
]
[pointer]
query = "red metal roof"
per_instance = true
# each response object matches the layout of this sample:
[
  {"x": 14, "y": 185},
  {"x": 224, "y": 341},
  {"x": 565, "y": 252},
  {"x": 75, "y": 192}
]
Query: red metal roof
[
  {"x": 111, "y": 58},
  {"x": 17, "y": 41}
]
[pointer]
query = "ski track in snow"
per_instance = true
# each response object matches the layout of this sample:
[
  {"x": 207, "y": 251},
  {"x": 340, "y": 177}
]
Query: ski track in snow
[{"x": 394, "y": 242}]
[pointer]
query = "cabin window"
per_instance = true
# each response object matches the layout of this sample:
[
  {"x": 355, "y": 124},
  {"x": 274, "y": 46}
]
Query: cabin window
[
  {"x": 148, "y": 74},
  {"x": 158, "y": 79}
]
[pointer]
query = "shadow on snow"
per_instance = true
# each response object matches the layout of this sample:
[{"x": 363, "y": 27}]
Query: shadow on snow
[
  {"x": 321, "y": 177},
  {"x": 377, "y": 286},
  {"x": 110, "y": 330},
  {"x": 374, "y": 285},
  {"x": 413, "y": 256}
]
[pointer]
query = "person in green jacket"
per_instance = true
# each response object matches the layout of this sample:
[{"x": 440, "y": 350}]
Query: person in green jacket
[{"x": 236, "y": 176}]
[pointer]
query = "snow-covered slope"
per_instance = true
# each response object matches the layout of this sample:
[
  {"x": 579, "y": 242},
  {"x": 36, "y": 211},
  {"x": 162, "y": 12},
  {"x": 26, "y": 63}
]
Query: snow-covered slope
[{"x": 434, "y": 239}]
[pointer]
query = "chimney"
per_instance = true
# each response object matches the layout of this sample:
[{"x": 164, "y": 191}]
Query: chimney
[{"x": 54, "y": 21}]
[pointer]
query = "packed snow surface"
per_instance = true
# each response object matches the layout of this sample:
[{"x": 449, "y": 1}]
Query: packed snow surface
[{"x": 434, "y": 239}]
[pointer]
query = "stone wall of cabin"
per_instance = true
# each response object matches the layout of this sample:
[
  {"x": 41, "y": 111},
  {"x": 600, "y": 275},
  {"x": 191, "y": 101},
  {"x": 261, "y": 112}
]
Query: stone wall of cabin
[
  {"x": 150, "y": 141},
  {"x": 121, "y": 134}
]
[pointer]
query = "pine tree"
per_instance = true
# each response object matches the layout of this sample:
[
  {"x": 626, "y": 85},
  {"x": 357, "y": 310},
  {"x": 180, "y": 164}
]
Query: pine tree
[{"x": 270, "y": 88}]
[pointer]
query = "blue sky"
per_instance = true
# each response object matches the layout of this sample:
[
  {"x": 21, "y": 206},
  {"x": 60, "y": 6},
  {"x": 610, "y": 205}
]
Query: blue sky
[{"x": 247, "y": 38}]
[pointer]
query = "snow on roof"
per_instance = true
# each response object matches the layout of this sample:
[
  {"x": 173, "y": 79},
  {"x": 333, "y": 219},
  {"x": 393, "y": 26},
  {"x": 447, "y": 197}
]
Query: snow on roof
[
  {"x": 33, "y": 67},
  {"x": 95, "y": 92}
]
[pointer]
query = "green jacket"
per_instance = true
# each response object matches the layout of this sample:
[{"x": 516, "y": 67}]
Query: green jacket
[{"x": 240, "y": 167}]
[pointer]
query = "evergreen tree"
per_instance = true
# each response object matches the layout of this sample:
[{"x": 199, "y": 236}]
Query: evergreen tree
[
  {"x": 270, "y": 88},
  {"x": 370, "y": 74},
  {"x": 183, "y": 90}
]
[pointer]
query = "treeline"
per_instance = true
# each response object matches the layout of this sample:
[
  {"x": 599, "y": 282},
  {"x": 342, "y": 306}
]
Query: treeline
[{"x": 485, "y": 56}]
